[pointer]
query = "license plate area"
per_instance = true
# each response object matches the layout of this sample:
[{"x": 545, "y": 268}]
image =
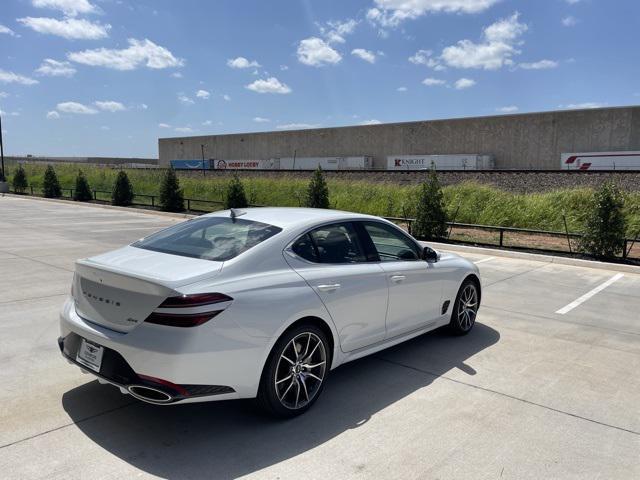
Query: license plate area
[{"x": 90, "y": 355}]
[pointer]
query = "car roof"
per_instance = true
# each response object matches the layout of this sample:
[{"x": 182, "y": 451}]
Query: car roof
[{"x": 288, "y": 217}]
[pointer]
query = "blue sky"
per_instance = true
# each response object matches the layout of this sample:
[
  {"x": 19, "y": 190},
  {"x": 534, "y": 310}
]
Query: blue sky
[{"x": 108, "y": 77}]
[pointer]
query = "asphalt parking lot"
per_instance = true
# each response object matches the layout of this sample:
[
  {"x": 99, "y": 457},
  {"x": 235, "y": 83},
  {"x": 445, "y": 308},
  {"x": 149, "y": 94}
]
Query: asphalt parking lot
[{"x": 546, "y": 386}]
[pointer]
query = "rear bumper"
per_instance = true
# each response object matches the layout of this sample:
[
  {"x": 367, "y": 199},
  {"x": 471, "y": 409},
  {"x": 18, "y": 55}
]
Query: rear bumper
[
  {"x": 116, "y": 371},
  {"x": 215, "y": 361}
]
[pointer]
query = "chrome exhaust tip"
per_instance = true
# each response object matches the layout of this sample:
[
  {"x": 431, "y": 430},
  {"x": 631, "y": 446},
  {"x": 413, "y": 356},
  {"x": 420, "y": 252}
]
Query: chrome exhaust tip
[{"x": 149, "y": 394}]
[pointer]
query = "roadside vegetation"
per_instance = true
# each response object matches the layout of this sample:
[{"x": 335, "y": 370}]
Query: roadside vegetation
[
  {"x": 465, "y": 203},
  {"x": 122, "y": 193},
  {"x": 171, "y": 196}
]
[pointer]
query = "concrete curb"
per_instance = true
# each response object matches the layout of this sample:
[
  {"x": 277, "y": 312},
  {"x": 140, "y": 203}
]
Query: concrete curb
[
  {"x": 537, "y": 257},
  {"x": 100, "y": 205}
]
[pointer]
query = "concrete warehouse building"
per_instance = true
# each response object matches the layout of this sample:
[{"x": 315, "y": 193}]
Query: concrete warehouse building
[{"x": 522, "y": 141}]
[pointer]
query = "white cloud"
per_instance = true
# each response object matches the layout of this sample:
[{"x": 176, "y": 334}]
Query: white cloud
[
  {"x": 423, "y": 57},
  {"x": 284, "y": 67},
  {"x": 54, "y": 68},
  {"x": 493, "y": 52},
  {"x": 109, "y": 106},
  {"x": 580, "y": 106},
  {"x": 10, "y": 77},
  {"x": 164, "y": 125},
  {"x": 206, "y": 123},
  {"x": 431, "y": 82},
  {"x": 539, "y": 65},
  {"x": 508, "y": 109},
  {"x": 183, "y": 129},
  {"x": 8, "y": 31},
  {"x": 335, "y": 32},
  {"x": 402, "y": 89},
  {"x": 4, "y": 94},
  {"x": 316, "y": 52},
  {"x": 75, "y": 107},
  {"x": 463, "y": 83},
  {"x": 203, "y": 94},
  {"x": 296, "y": 126},
  {"x": 53, "y": 115},
  {"x": 139, "y": 53},
  {"x": 569, "y": 21},
  {"x": 373, "y": 121},
  {"x": 226, "y": 98},
  {"x": 390, "y": 13},
  {"x": 177, "y": 75},
  {"x": 366, "y": 55},
  {"x": 261, "y": 120},
  {"x": 269, "y": 85},
  {"x": 105, "y": 128},
  {"x": 241, "y": 62},
  {"x": 70, "y": 8},
  {"x": 185, "y": 100},
  {"x": 143, "y": 106},
  {"x": 69, "y": 28}
]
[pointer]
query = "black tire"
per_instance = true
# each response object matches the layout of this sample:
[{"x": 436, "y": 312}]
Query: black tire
[
  {"x": 463, "y": 315},
  {"x": 272, "y": 398}
]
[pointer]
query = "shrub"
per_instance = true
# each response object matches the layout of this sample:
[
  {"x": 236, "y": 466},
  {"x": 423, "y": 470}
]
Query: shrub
[
  {"x": 122, "y": 193},
  {"x": 20, "y": 180},
  {"x": 605, "y": 226},
  {"x": 431, "y": 217},
  {"x": 50, "y": 185},
  {"x": 171, "y": 197},
  {"x": 82, "y": 192},
  {"x": 235, "y": 197},
  {"x": 317, "y": 191}
]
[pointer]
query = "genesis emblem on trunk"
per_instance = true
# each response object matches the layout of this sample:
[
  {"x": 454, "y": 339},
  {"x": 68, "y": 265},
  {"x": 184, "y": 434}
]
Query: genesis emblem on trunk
[{"x": 100, "y": 299}]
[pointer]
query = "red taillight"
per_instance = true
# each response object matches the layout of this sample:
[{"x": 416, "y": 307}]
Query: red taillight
[
  {"x": 188, "y": 310},
  {"x": 195, "y": 300}
]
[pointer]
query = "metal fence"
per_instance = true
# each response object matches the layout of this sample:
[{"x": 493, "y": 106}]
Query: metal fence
[
  {"x": 520, "y": 238},
  {"x": 461, "y": 233}
]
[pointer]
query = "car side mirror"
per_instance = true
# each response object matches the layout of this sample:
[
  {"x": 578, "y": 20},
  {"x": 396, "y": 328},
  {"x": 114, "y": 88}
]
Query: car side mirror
[{"x": 429, "y": 254}]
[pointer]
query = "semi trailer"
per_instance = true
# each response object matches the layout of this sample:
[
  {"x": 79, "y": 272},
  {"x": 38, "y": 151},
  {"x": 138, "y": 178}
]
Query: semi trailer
[
  {"x": 600, "y": 161},
  {"x": 441, "y": 162}
]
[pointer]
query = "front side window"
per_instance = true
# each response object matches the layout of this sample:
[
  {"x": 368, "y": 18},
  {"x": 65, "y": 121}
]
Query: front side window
[
  {"x": 209, "y": 238},
  {"x": 335, "y": 243},
  {"x": 392, "y": 245}
]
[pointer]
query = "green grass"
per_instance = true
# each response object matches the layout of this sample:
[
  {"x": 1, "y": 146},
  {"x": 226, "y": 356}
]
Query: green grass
[{"x": 467, "y": 202}]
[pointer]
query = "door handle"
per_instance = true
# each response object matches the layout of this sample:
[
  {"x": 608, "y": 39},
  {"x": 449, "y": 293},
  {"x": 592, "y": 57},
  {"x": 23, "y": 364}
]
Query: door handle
[
  {"x": 397, "y": 278},
  {"x": 329, "y": 287}
]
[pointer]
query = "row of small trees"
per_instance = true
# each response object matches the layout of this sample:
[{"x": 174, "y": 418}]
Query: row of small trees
[
  {"x": 604, "y": 235},
  {"x": 171, "y": 198}
]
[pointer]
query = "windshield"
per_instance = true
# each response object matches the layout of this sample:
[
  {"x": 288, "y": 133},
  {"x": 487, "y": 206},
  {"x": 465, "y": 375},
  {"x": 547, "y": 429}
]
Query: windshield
[{"x": 209, "y": 238}]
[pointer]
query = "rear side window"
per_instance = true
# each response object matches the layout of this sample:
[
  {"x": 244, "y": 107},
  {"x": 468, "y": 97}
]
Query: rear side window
[
  {"x": 209, "y": 238},
  {"x": 335, "y": 243},
  {"x": 305, "y": 248}
]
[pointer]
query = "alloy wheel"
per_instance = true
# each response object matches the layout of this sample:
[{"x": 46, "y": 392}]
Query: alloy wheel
[
  {"x": 300, "y": 370},
  {"x": 467, "y": 307}
]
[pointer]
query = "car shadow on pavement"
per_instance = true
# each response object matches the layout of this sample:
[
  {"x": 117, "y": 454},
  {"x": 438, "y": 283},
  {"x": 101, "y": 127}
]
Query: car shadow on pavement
[{"x": 230, "y": 439}]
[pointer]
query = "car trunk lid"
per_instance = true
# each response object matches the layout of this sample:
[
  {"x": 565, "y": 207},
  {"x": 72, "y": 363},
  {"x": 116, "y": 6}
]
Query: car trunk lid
[{"x": 120, "y": 289}]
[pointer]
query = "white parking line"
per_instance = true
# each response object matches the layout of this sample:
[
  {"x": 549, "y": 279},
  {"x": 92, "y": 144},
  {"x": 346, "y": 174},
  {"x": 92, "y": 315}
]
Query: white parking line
[
  {"x": 588, "y": 295},
  {"x": 484, "y": 260}
]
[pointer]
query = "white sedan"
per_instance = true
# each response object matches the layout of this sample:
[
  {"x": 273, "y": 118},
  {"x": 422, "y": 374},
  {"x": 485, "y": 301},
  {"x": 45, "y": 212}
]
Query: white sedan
[{"x": 259, "y": 303}]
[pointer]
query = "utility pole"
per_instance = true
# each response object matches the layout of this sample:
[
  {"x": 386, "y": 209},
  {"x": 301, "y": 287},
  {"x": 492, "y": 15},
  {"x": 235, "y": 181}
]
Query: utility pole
[
  {"x": 202, "y": 150},
  {"x": 3, "y": 176}
]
